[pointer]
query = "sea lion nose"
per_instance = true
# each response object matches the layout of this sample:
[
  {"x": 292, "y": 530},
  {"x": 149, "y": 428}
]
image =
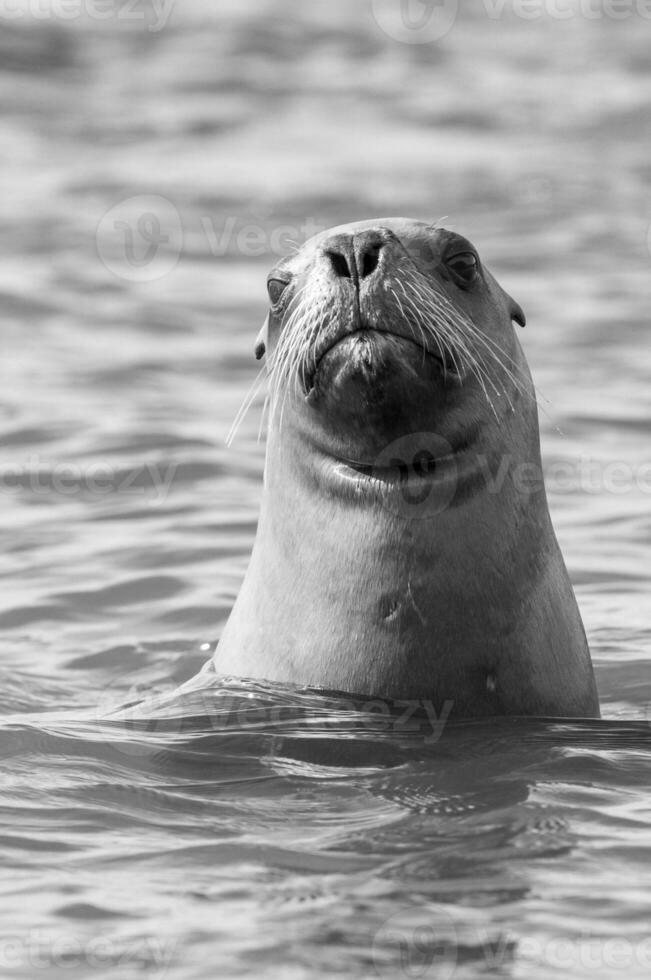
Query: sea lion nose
[
  {"x": 355, "y": 256},
  {"x": 367, "y": 252}
]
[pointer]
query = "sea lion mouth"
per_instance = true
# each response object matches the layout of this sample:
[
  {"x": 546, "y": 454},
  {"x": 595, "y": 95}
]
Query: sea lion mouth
[
  {"x": 428, "y": 467},
  {"x": 417, "y": 469},
  {"x": 439, "y": 354}
]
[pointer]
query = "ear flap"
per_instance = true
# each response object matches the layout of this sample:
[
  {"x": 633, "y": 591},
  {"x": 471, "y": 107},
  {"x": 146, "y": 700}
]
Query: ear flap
[
  {"x": 514, "y": 309},
  {"x": 516, "y": 312},
  {"x": 261, "y": 340}
]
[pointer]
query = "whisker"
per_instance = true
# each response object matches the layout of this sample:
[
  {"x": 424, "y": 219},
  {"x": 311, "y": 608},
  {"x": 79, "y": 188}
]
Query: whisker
[
  {"x": 249, "y": 398},
  {"x": 263, "y": 417}
]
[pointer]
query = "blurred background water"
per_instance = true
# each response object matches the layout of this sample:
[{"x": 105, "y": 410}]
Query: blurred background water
[{"x": 156, "y": 158}]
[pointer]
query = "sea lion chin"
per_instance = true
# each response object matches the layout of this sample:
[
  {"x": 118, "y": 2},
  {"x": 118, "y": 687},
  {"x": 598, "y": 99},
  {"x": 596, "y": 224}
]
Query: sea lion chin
[
  {"x": 397, "y": 553},
  {"x": 376, "y": 385}
]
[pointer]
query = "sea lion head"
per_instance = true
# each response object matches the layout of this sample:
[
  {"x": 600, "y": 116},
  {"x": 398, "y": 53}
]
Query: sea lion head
[{"x": 384, "y": 328}]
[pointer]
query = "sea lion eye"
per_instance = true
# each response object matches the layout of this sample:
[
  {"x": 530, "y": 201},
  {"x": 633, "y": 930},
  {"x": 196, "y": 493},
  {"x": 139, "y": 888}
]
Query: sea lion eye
[
  {"x": 275, "y": 288},
  {"x": 464, "y": 266}
]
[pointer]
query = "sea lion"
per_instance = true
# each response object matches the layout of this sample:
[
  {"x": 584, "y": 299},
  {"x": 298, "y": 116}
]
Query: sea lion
[{"x": 404, "y": 548}]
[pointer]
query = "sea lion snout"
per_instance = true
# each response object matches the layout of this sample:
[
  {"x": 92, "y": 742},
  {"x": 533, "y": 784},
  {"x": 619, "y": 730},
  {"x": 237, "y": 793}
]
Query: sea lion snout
[{"x": 380, "y": 319}]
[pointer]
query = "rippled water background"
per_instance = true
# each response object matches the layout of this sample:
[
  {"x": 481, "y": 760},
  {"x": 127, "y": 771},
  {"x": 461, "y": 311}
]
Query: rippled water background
[{"x": 248, "y": 831}]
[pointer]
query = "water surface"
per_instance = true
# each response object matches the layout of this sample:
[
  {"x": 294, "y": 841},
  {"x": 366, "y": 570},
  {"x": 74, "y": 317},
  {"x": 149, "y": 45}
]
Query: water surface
[{"x": 252, "y": 831}]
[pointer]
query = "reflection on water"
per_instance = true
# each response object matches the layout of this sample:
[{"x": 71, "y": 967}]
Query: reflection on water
[
  {"x": 255, "y": 826},
  {"x": 150, "y": 178}
]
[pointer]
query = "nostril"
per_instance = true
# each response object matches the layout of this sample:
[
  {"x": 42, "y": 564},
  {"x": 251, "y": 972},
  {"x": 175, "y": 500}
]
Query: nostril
[
  {"x": 370, "y": 259},
  {"x": 356, "y": 256},
  {"x": 339, "y": 264}
]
